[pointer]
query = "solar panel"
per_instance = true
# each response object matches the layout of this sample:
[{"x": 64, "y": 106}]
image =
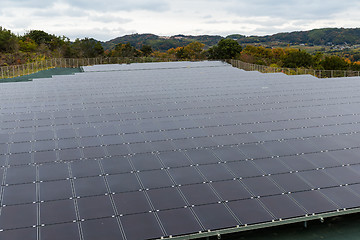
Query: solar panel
[{"x": 182, "y": 149}]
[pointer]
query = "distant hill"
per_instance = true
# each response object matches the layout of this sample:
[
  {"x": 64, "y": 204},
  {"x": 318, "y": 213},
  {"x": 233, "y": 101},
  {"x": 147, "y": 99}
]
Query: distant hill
[
  {"x": 324, "y": 36},
  {"x": 160, "y": 43}
]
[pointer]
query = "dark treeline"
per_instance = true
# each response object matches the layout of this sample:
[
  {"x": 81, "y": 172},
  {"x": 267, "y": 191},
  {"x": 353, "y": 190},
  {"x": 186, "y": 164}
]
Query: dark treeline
[
  {"x": 295, "y": 58},
  {"x": 37, "y": 45}
]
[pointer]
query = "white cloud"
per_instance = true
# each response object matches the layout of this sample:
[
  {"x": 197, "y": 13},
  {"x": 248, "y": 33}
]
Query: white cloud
[{"x": 106, "y": 19}]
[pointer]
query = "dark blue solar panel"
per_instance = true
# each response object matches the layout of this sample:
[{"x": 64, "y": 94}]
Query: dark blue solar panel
[{"x": 155, "y": 150}]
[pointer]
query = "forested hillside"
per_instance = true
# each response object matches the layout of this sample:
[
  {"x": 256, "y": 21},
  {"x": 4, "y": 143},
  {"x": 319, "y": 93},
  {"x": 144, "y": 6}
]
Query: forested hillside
[
  {"x": 325, "y": 36},
  {"x": 37, "y": 45},
  {"x": 159, "y": 43},
  {"x": 318, "y": 37}
]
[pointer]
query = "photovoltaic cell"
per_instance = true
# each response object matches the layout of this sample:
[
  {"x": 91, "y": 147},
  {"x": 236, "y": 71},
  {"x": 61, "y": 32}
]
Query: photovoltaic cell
[
  {"x": 146, "y": 221},
  {"x": 291, "y": 182},
  {"x": 185, "y": 175},
  {"x": 261, "y": 186},
  {"x": 90, "y": 186},
  {"x": 215, "y": 216},
  {"x": 55, "y": 190},
  {"x": 107, "y": 228},
  {"x": 131, "y": 203},
  {"x": 173, "y": 198},
  {"x": 53, "y": 171},
  {"x": 282, "y": 207},
  {"x": 68, "y": 231},
  {"x": 179, "y": 221},
  {"x": 19, "y": 194},
  {"x": 18, "y": 216},
  {"x": 199, "y": 194},
  {"x": 313, "y": 201},
  {"x": 174, "y": 159},
  {"x": 250, "y": 211},
  {"x": 341, "y": 196},
  {"x": 95, "y": 207},
  {"x": 57, "y": 212},
  {"x": 25, "y": 233},
  {"x": 143, "y": 151},
  {"x": 231, "y": 190},
  {"x": 123, "y": 182}
]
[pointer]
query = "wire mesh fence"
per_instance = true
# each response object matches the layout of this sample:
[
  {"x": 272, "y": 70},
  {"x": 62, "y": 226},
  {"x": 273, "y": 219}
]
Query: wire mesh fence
[
  {"x": 34, "y": 67},
  {"x": 293, "y": 71},
  {"x": 29, "y": 68}
]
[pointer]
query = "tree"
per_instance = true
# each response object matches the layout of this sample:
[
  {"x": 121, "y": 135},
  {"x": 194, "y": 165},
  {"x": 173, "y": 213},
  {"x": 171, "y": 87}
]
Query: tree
[
  {"x": 39, "y": 36},
  {"x": 260, "y": 55},
  {"x": 28, "y": 45},
  {"x": 225, "y": 49},
  {"x": 180, "y": 53},
  {"x": 318, "y": 57},
  {"x": 8, "y": 41},
  {"x": 125, "y": 50},
  {"x": 295, "y": 59},
  {"x": 146, "y": 50},
  {"x": 194, "y": 50},
  {"x": 87, "y": 47},
  {"x": 334, "y": 63}
]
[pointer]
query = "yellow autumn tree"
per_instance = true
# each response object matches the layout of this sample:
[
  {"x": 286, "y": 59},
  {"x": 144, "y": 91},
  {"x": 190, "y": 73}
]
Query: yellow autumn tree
[{"x": 194, "y": 50}]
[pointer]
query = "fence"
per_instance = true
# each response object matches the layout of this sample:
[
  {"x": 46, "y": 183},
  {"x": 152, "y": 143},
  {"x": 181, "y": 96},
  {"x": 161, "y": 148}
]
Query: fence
[
  {"x": 26, "y": 69},
  {"x": 293, "y": 71}
]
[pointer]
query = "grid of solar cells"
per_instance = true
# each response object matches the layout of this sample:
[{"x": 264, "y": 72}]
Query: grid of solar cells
[{"x": 156, "y": 150}]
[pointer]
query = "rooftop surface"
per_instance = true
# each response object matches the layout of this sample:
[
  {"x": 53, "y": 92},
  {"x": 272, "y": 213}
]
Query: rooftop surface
[{"x": 186, "y": 149}]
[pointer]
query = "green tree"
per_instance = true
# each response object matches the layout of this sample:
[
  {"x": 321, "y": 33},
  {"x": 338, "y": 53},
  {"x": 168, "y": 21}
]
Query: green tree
[
  {"x": 8, "y": 41},
  {"x": 295, "y": 59},
  {"x": 87, "y": 47},
  {"x": 28, "y": 45},
  {"x": 40, "y": 37},
  {"x": 225, "y": 49},
  {"x": 334, "y": 63},
  {"x": 146, "y": 50},
  {"x": 125, "y": 50},
  {"x": 318, "y": 57}
]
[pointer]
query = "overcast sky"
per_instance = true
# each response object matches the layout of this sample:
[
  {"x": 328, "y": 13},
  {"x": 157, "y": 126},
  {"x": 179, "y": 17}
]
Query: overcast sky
[{"x": 107, "y": 19}]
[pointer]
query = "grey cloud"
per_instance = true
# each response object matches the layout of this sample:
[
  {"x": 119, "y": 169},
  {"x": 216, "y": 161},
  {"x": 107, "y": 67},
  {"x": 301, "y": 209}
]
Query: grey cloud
[
  {"x": 124, "y": 5},
  {"x": 59, "y": 13},
  {"x": 102, "y": 34},
  {"x": 289, "y": 9},
  {"x": 96, "y": 5},
  {"x": 207, "y": 17},
  {"x": 258, "y": 21},
  {"x": 109, "y": 19},
  {"x": 26, "y": 3},
  {"x": 216, "y": 21}
]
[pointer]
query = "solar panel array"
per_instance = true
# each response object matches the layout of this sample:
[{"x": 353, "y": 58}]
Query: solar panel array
[{"x": 146, "y": 151}]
